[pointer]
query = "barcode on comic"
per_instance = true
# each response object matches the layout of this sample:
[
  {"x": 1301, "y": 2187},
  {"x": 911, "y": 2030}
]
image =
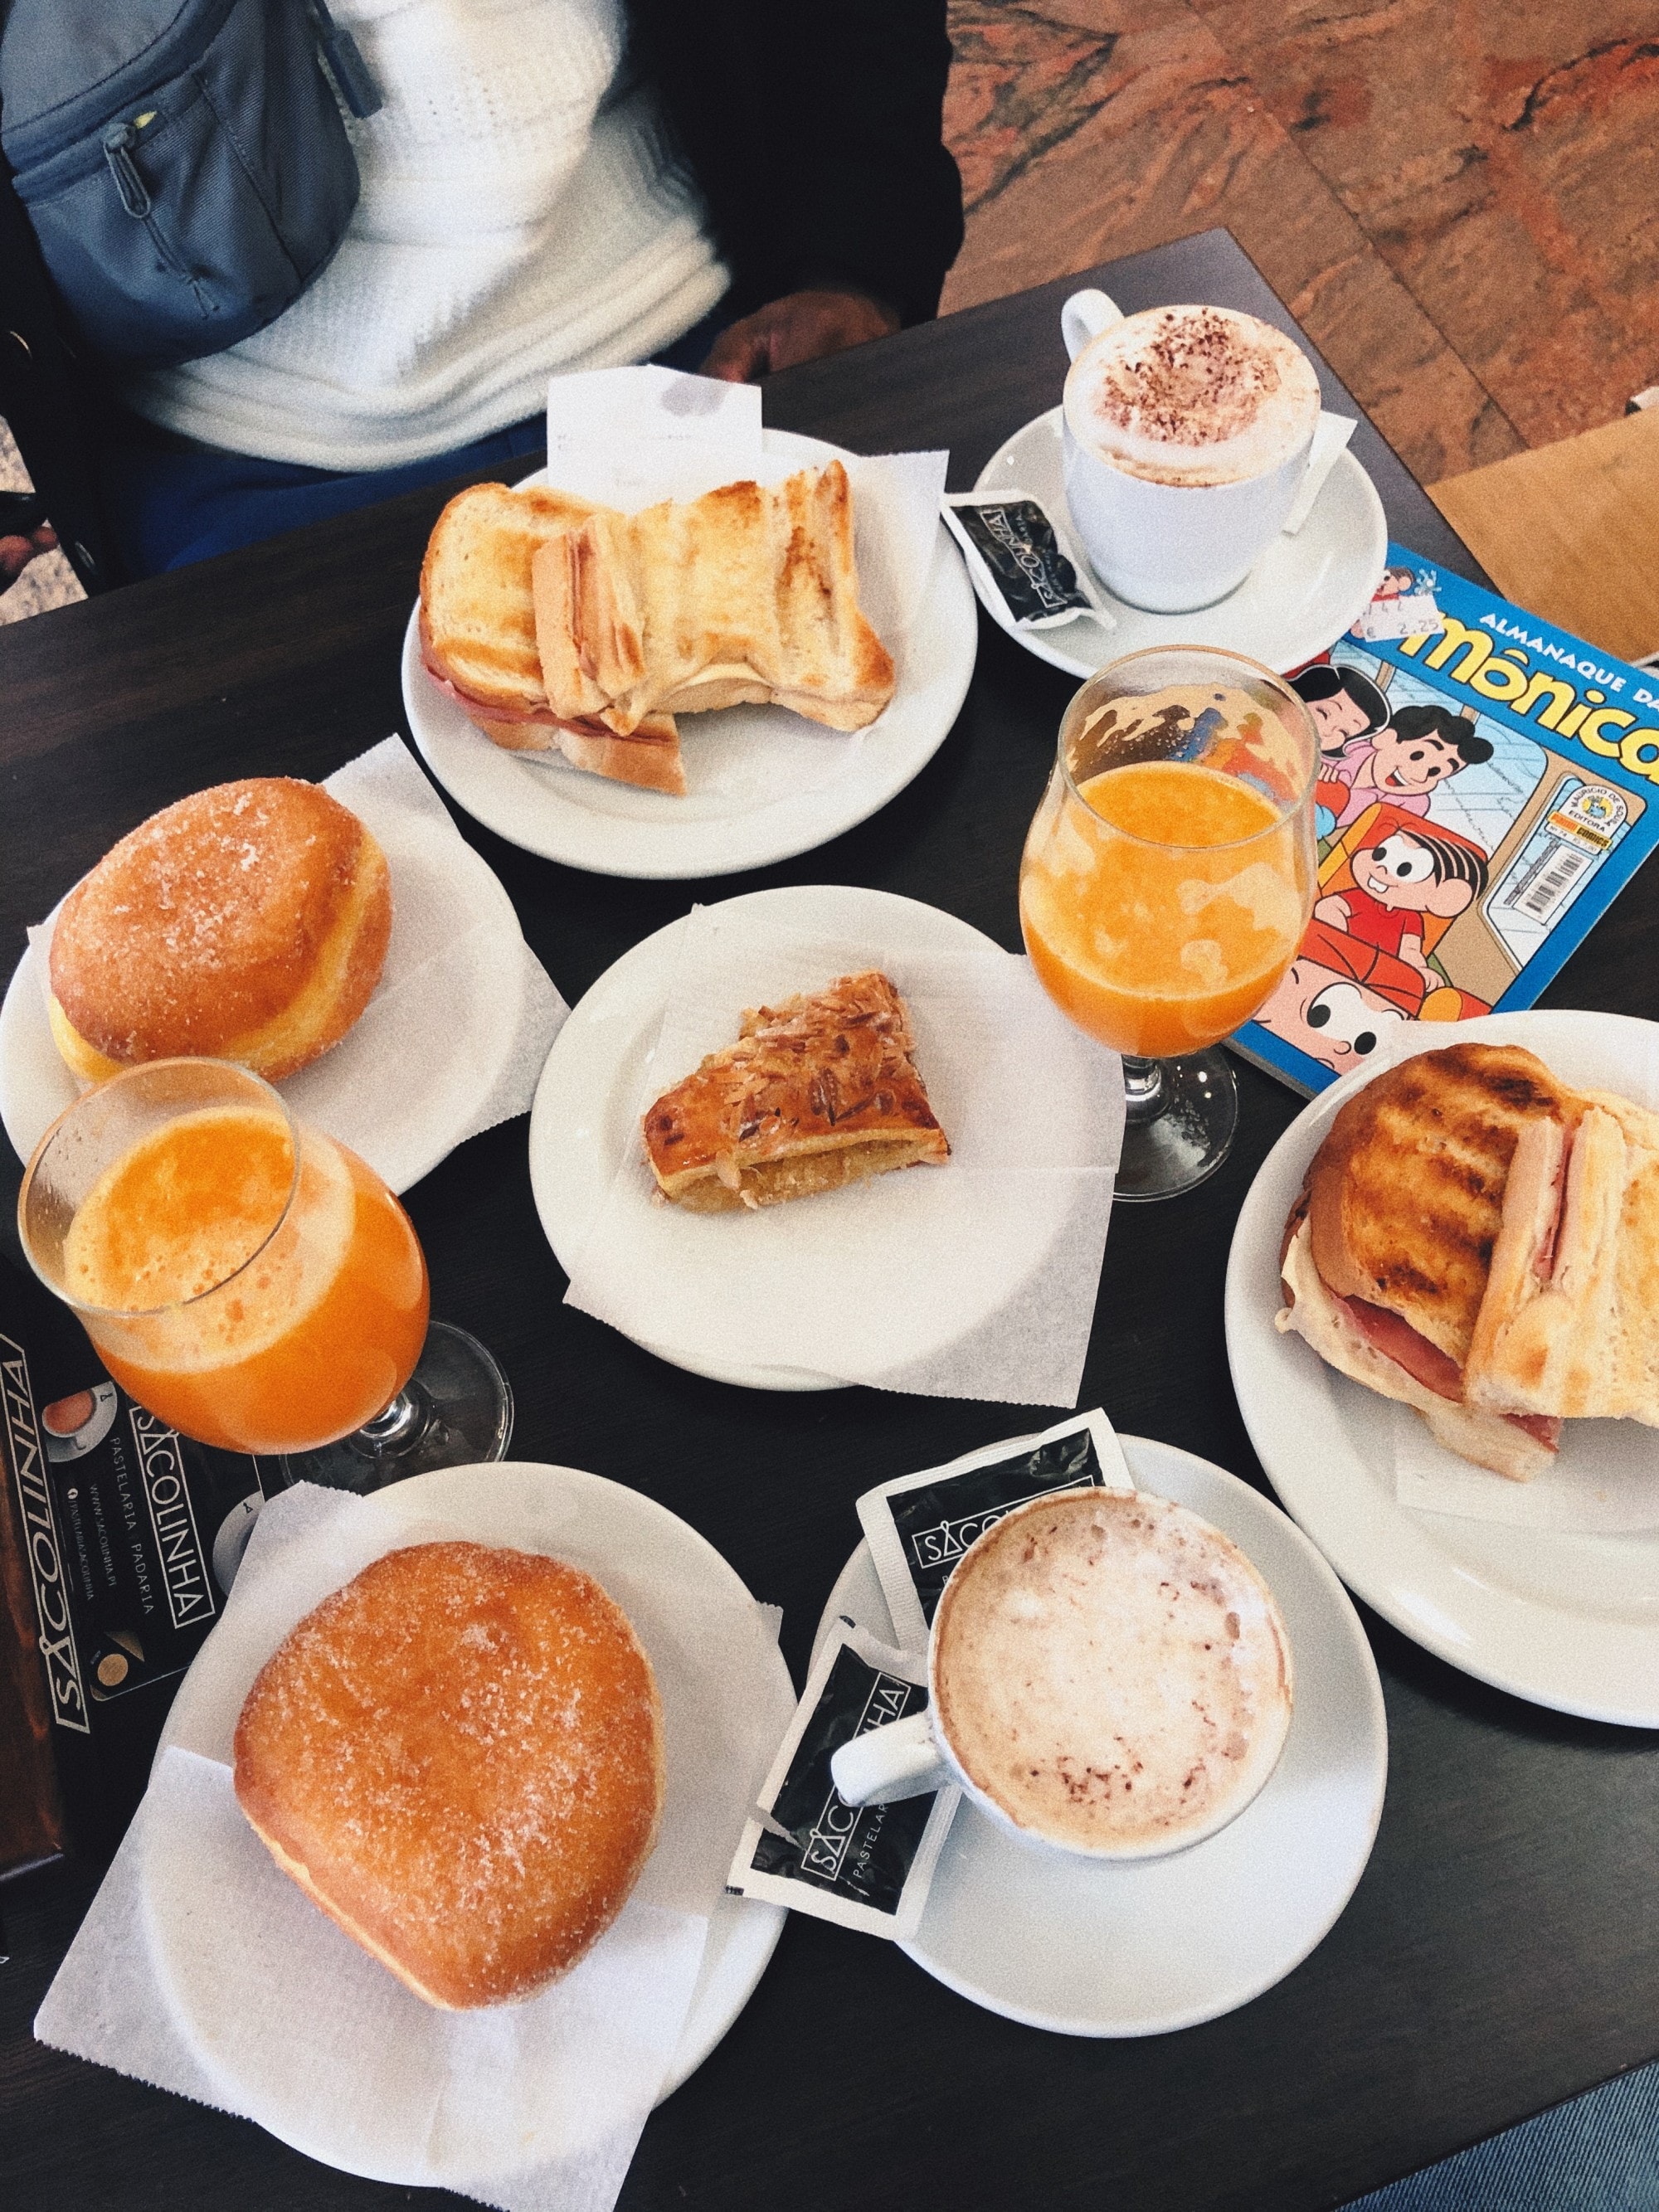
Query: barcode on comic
[{"x": 1548, "y": 890}]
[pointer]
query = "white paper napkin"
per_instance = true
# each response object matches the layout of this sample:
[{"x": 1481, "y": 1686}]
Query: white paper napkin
[
  {"x": 975, "y": 1279},
  {"x": 1330, "y": 440},
  {"x": 203, "y": 1969},
  {"x": 463, "y": 1016}
]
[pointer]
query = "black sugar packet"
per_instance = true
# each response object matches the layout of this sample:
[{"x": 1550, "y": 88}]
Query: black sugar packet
[
  {"x": 861, "y": 1866},
  {"x": 1013, "y": 546},
  {"x": 920, "y": 1525},
  {"x": 118, "y": 1540}
]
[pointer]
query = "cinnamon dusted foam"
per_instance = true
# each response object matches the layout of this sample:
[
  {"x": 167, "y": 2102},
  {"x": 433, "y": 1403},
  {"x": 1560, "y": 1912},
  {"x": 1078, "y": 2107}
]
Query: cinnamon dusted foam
[{"x": 1192, "y": 396}]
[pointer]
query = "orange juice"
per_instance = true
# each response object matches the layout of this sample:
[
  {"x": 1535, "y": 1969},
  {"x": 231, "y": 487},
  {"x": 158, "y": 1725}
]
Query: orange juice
[
  {"x": 252, "y": 1308},
  {"x": 1159, "y": 947}
]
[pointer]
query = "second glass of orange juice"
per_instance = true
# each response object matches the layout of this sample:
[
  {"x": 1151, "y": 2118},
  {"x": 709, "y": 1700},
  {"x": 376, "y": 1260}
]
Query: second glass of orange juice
[
  {"x": 1167, "y": 878},
  {"x": 248, "y": 1279}
]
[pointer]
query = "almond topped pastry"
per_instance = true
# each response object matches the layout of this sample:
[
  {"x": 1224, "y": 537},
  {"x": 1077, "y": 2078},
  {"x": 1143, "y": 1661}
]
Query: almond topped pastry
[{"x": 817, "y": 1092}]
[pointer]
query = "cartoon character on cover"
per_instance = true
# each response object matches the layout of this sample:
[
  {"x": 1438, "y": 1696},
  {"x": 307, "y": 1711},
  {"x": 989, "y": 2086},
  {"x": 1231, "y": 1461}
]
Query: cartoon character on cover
[
  {"x": 1406, "y": 875},
  {"x": 1395, "y": 584},
  {"x": 1405, "y": 762},
  {"x": 1341, "y": 997},
  {"x": 1346, "y": 705}
]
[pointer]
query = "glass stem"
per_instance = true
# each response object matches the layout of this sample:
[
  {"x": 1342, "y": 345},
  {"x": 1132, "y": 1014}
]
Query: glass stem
[
  {"x": 1143, "y": 1090},
  {"x": 400, "y": 1423}
]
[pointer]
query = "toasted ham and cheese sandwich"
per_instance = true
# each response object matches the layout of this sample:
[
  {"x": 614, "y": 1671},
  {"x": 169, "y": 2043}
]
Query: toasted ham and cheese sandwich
[
  {"x": 1569, "y": 1326},
  {"x": 478, "y": 636},
  {"x": 818, "y": 1092},
  {"x": 747, "y": 596},
  {"x": 1388, "y": 1251}
]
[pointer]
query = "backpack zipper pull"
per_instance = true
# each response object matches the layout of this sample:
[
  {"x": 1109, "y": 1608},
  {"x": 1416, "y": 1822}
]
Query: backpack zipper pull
[
  {"x": 135, "y": 195},
  {"x": 346, "y": 64}
]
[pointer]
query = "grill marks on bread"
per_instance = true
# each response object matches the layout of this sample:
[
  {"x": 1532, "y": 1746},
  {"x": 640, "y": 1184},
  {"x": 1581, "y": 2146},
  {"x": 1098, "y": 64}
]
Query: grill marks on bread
[{"x": 1406, "y": 1196}]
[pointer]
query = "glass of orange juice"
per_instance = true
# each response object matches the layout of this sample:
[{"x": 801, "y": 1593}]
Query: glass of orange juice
[
  {"x": 252, "y": 1282},
  {"x": 1169, "y": 875}
]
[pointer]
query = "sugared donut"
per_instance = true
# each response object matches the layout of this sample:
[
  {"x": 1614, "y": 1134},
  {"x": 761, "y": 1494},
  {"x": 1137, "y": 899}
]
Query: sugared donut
[
  {"x": 249, "y": 922},
  {"x": 459, "y": 1757}
]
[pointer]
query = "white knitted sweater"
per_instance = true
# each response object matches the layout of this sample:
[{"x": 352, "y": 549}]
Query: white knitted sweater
[{"x": 517, "y": 219}]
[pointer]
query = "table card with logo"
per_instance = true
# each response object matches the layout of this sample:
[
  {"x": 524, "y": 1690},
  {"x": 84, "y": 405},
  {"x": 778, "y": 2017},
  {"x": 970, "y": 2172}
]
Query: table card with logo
[
  {"x": 920, "y": 1525},
  {"x": 862, "y": 1866}
]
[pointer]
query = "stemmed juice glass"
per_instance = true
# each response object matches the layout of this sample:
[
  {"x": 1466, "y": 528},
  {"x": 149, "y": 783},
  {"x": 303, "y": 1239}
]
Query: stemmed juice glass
[
  {"x": 252, "y": 1282},
  {"x": 1168, "y": 877}
]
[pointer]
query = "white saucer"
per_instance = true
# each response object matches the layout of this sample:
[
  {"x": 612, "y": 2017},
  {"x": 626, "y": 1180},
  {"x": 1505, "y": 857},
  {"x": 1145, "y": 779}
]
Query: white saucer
[
  {"x": 1142, "y": 1950},
  {"x": 1567, "y": 1622},
  {"x": 585, "y": 1123},
  {"x": 764, "y": 784},
  {"x": 612, "y": 1530},
  {"x": 1301, "y": 596}
]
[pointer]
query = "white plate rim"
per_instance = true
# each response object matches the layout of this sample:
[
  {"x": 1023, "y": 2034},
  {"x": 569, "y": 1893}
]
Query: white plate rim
[
  {"x": 1547, "y": 1654},
  {"x": 1150, "y": 1462},
  {"x": 24, "y": 1027},
  {"x": 562, "y": 1077},
  {"x": 683, "y": 851},
  {"x": 1189, "y": 628},
  {"x": 744, "y": 1932}
]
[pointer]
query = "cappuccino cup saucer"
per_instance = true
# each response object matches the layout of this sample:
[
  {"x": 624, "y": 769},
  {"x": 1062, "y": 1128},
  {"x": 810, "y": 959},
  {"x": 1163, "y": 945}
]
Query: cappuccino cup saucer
[
  {"x": 1144, "y": 1947},
  {"x": 1307, "y": 589}
]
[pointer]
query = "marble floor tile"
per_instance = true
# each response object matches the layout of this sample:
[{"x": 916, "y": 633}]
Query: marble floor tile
[
  {"x": 1502, "y": 160},
  {"x": 1084, "y": 131}
]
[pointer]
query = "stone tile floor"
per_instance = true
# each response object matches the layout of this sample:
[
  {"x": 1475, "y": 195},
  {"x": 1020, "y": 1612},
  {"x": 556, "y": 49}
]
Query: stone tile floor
[{"x": 1458, "y": 199}]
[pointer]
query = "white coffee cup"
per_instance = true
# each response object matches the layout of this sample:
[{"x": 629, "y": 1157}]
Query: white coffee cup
[
  {"x": 1172, "y": 546},
  {"x": 1060, "y": 1623}
]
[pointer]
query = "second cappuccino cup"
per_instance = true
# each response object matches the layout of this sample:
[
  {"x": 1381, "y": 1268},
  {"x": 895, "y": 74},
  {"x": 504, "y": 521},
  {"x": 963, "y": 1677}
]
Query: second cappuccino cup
[
  {"x": 1109, "y": 1675},
  {"x": 1187, "y": 435}
]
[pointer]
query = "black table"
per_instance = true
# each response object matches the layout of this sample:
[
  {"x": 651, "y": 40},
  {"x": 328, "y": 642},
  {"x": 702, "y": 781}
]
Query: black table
[{"x": 1496, "y": 1957}]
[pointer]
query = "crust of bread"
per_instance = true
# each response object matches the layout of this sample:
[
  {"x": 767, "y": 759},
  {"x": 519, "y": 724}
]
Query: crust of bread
[
  {"x": 459, "y": 1757},
  {"x": 1570, "y": 1330},
  {"x": 1313, "y": 1313},
  {"x": 1405, "y": 1195},
  {"x": 248, "y": 922},
  {"x": 818, "y": 1092},
  {"x": 478, "y": 619}
]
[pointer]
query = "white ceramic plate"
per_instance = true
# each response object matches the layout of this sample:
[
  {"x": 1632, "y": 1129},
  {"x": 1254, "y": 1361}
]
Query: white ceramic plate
[
  {"x": 515, "y": 1502},
  {"x": 1141, "y": 1950},
  {"x": 764, "y": 785},
  {"x": 1567, "y": 1622},
  {"x": 585, "y": 1122},
  {"x": 1300, "y": 597},
  {"x": 401, "y": 1132}
]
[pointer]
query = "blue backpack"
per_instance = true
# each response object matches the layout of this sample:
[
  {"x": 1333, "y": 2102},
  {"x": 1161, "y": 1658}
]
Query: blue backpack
[{"x": 185, "y": 164}]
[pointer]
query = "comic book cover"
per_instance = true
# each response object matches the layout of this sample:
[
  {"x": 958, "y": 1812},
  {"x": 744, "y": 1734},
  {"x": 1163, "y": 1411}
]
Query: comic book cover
[{"x": 1487, "y": 786}]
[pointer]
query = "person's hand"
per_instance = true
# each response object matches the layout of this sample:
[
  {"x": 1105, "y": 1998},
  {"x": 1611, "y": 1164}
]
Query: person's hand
[
  {"x": 16, "y": 552},
  {"x": 801, "y": 326}
]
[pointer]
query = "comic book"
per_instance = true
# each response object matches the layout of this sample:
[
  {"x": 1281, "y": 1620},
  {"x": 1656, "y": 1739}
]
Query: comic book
[{"x": 1487, "y": 786}]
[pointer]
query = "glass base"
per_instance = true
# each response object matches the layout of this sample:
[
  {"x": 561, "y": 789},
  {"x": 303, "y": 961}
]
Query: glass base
[
  {"x": 1181, "y": 1115},
  {"x": 456, "y": 1409}
]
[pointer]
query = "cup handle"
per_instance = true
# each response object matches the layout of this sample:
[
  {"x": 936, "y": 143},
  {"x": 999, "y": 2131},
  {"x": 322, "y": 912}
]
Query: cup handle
[
  {"x": 899, "y": 1761},
  {"x": 1084, "y": 317}
]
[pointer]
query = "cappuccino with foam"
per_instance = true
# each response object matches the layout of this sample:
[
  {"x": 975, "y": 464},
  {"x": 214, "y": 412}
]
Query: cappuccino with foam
[
  {"x": 1192, "y": 396},
  {"x": 1111, "y": 1672}
]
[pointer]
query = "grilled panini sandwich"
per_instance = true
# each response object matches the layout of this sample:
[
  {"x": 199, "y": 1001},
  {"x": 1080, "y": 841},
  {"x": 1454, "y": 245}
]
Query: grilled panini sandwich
[
  {"x": 478, "y": 636},
  {"x": 746, "y": 596},
  {"x": 820, "y": 1091},
  {"x": 1388, "y": 1250}
]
